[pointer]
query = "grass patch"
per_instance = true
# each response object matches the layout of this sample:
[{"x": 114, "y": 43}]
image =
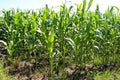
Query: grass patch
[
  {"x": 3, "y": 73},
  {"x": 108, "y": 75}
]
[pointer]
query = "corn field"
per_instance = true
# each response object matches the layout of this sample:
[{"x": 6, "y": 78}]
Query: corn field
[{"x": 73, "y": 35}]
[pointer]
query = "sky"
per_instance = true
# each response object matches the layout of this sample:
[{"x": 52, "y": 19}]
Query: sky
[{"x": 35, "y": 4}]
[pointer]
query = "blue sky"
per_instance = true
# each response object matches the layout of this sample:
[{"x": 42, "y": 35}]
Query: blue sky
[{"x": 34, "y": 4}]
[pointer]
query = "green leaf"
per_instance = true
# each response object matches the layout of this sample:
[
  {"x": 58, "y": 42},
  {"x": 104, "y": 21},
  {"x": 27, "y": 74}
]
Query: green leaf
[
  {"x": 1, "y": 41},
  {"x": 89, "y": 4},
  {"x": 39, "y": 31},
  {"x": 84, "y": 5},
  {"x": 51, "y": 36},
  {"x": 71, "y": 42}
]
